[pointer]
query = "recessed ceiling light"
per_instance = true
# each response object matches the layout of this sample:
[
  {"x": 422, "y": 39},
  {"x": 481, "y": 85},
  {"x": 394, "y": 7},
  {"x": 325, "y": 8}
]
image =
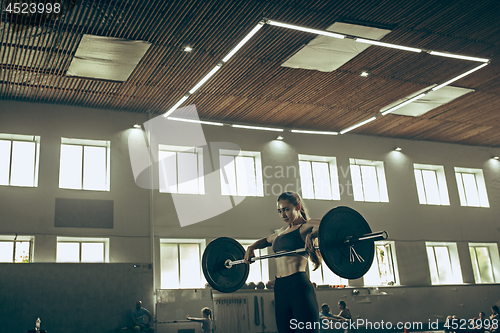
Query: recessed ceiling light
[
  {"x": 496, "y": 157},
  {"x": 398, "y": 149},
  {"x": 188, "y": 49},
  {"x": 279, "y": 138},
  {"x": 137, "y": 126},
  {"x": 365, "y": 74}
]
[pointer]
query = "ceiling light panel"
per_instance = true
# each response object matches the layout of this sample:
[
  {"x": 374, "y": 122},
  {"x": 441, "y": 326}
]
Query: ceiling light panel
[
  {"x": 327, "y": 54},
  {"x": 432, "y": 100},
  {"x": 107, "y": 58}
]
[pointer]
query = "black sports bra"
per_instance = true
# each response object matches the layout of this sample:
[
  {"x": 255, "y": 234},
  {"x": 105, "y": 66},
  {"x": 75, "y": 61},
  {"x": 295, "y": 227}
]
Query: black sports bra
[{"x": 289, "y": 242}]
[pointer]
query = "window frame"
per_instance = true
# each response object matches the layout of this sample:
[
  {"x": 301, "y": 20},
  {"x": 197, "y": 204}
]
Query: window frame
[
  {"x": 494, "y": 261},
  {"x": 18, "y": 239},
  {"x": 323, "y": 268},
  {"x": 263, "y": 264},
  {"x": 88, "y": 143},
  {"x": 444, "y": 199},
  {"x": 225, "y": 186},
  {"x": 480, "y": 187},
  {"x": 359, "y": 194},
  {"x": 199, "y": 167},
  {"x": 454, "y": 261},
  {"x": 375, "y": 268},
  {"x": 332, "y": 174},
  {"x": 22, "y": 138},
  {"x": 179, "y": 241},
  {"x": 80, "y": 241}
]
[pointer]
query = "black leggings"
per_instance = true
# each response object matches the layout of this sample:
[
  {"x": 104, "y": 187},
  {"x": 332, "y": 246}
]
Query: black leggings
[{"x": 295, "y": 298}]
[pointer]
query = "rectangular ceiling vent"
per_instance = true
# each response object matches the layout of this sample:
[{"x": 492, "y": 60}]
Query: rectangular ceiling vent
[
  {"x": 107, "y": 58},
  {"x": 326, "y": 54}
]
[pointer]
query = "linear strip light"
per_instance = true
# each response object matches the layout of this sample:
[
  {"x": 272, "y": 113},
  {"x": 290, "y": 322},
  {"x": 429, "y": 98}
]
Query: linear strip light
[
  {"x": 394, "y": 108},
  {"x": 358, "y": 125},
  {"x": 244, "y": 40},
  {"x": 173, "y": 108},
  {"x": 258, "y": 128},
  {"x": 314, "y": 132},
  {"x": 196, "y": 121},
  {"x": 458, "y": 56},
  {"x": 299, "y": 28},
  {"x": 459, "y": 77},
  {"x": 205, "y": 79},
  {"x": 393, "y": 46}
]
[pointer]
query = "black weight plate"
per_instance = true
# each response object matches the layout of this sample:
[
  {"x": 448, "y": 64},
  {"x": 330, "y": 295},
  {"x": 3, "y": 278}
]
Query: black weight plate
[
  {"x": 335, "y": 227},
  {"x": 217, "y": 275}
]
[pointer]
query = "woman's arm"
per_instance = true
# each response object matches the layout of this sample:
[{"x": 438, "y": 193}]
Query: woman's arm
[
  {"x": 260, "y": 244},
  {"x": 310, "y": 233},
  {"x": 194, "y": 319}
]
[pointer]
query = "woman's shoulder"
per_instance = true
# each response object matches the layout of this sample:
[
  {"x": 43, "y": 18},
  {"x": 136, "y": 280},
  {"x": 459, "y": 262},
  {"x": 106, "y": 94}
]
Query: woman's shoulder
[{"x": 308, "y": 227}]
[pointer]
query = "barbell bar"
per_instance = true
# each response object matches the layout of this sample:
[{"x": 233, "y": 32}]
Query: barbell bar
[
  {"x": 375, "y": 236},
  {"x": 345, "y": 240}
]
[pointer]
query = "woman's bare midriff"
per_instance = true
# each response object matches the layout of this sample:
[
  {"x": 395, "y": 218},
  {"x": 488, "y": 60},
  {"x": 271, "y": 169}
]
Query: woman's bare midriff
[{"x": 290, "y": 264}]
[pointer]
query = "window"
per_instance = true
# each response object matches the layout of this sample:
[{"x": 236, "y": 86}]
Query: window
[
  {"x": 485, "y": 262},
  {"x": 471, "y": 187},
  {"x": 431, "y": 184},
  {"x": 259, "y": 270},
  {"x": 368, "y": 180},
  {"x": 383, "y": 271},
  {"x": 84, "y": 164},
  {"x": 78, "y": 249},
  {"x": 181, "y": 170},
  {"x": 241, "y": 173},
  {"x": 319, "y": 177},
  {"x": 181, "y": 263},
  {"x": 323, "y": 275},
  {"x": 17, "y": 249},
  {"x": 444, "y": 264},
  {"x": 19, "y": 159}
]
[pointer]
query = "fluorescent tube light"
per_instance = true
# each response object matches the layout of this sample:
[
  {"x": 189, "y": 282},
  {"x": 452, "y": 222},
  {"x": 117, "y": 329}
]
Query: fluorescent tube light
[
  {"x": 393, "y": 46},
  {"x": 314, "y": 132},
  {"x": 205, "y": 79},
  {"x": 243, "y": 41},
  {"x": 458, "y": 56},
  {"x": 195, "y": 121},
  {"x": 259, "y": 128},
  {"x": 459, "y": 77},
  {"x": 402, "y": 104},
  {"x": 173, "y": 108},
  {"x": 299, "y": 28},
  {"x": 358, "y": 125}
]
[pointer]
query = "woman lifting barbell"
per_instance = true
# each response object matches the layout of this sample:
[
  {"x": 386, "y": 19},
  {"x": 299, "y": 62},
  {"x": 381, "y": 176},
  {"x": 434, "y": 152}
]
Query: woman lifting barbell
[{"x": 295, "y": 298}]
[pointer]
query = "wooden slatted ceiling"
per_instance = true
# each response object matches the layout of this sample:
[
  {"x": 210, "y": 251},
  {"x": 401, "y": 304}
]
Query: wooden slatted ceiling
[{"x": 253, "y": 88}]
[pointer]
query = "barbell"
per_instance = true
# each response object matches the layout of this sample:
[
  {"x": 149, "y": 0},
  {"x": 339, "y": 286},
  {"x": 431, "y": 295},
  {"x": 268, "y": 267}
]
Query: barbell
[{"x": 345, "y": 240}]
